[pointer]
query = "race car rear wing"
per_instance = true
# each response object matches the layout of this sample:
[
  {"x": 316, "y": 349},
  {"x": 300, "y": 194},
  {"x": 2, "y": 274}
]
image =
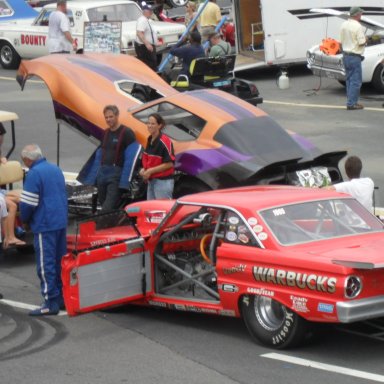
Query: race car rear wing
[{"x": 358, "y": 264}]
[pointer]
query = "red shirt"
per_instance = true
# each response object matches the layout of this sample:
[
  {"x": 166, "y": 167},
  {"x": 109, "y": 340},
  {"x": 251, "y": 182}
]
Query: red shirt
[{"x": 158, "y": 152}]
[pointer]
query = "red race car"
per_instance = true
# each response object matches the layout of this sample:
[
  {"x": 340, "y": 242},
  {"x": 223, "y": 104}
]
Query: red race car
[{"x": 280, "y": 257}]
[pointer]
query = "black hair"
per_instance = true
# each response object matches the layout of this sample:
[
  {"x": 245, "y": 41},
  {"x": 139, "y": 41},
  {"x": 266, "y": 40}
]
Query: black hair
[
  {"x": 353, "y": 167},
  {"x": 195, "y": 37},
  {"x": 159, "y": 119}
]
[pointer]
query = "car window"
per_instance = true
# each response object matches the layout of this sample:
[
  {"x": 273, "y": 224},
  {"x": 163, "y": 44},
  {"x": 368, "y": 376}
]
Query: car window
[
  {"x": 181, "y": 124},
  {"x": 5, "y": 9},
  {"x": 317, "y": 220},
  {"x": 115, "y": 12},
  {"x": 43, "y": 19}
]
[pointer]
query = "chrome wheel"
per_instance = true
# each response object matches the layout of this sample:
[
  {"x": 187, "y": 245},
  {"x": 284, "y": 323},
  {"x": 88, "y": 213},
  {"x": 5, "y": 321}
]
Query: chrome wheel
[
  {"x": 9, "y": 58},
  {"x": 269, "y": 313},
  {"x": 6, "y": 54}
]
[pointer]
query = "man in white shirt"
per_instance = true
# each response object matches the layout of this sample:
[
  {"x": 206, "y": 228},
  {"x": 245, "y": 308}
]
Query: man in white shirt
[
  {"x": 353, "y": 43},
  {"x": 359, "y": 188},
  {"x": 60, "y": 39},
  {"x": 146, "y": 39}
]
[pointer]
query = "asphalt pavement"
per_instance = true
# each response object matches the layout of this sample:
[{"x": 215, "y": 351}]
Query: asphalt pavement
[{"x": 148, "y": 345}]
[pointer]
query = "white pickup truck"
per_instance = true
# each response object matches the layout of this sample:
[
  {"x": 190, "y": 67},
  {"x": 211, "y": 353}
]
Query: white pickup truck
[
  {"x": 332, "y": 66},
  {"x": 27, "y": 39}
]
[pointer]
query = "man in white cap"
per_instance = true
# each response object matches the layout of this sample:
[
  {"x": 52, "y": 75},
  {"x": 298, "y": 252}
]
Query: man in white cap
[
  {"x": 146, "y": 39},
  {"x": 353, "y": 43}
]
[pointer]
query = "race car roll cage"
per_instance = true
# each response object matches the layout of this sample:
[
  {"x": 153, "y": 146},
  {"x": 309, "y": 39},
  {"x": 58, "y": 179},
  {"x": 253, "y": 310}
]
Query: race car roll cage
[{"x": 214, "y": 230}]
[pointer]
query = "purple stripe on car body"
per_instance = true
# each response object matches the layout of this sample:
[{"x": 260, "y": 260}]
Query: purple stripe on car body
[
  {"x": 78, "y": 122},
  {"x": 196, "y": 161},
  {"x": 101, "y": 69},
  {"x": 237, "y": 111}
]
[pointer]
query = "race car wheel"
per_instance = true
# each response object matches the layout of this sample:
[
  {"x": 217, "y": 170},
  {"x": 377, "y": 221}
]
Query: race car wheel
[
  {"x": 9, "y": 58},
  {"x": 177, "y": 3},
  {"x": 271, "y": 323},
  {"x": 378, "y": 78}
]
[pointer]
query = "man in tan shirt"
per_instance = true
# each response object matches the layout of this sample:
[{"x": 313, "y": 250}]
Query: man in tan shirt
[
  {"x": 209, "y": 18},
  {"x": 353, "y": 42}
]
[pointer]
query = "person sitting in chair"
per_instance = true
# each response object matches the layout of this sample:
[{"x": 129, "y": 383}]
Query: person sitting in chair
[
  {"x": 219, "y": 47},
  {"x": 189, "y": 52}
]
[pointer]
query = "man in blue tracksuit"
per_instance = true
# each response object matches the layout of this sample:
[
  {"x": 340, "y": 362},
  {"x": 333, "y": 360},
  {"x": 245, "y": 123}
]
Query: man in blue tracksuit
[{"x": 43, "y": 205}]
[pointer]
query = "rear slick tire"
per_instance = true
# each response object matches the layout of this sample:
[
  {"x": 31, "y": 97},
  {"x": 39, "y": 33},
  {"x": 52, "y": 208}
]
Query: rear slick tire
[{"x": 271, "y": 323}]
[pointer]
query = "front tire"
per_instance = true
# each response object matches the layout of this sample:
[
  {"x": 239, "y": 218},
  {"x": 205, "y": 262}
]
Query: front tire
[
  {"x": 9, "y": 58},
  {"x": 378, "y": 78},
  {"x": 271, "y": 323}
]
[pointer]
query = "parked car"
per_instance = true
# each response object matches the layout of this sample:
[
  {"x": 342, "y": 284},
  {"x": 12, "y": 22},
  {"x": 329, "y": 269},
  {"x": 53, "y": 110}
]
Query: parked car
[
  {"x": 29, "y": 40},
  {"x": 331, "y": 66},
  {"x": 12, "y": 10},
  {"x": 280, "y": 257},
  {"x": 220, "y": 140}
]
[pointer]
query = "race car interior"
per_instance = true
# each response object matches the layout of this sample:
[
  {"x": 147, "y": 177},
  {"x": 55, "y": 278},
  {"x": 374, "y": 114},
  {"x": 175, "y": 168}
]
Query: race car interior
[{"x": 185, "y": 257}]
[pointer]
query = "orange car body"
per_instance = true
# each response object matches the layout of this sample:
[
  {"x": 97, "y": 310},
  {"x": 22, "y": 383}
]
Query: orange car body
[{"x": 234, "y": 143}]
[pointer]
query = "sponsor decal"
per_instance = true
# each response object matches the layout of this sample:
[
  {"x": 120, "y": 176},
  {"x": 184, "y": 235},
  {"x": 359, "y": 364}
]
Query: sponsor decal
[
  {"x": 155, "y": 217},
  {"x": 242, "y": 229},
  {"x": 279, "y": 212},
  {"x": 101, "y": 242},
  {"x": 252, "y": 221},
  {"x": 231, "y": 236},
  {"x": 157, "y": 304},
  {"x": 209, "y": 310},
  {"x": 234, "y": 269},
  {"x": 192, "y": 308},
  {"x": 295, "y": 279},
  {"x": 32, "y": 39},
  {"x": 324, "y": 307},
  {"x": 179, "y": 307},
  {"x": 229, "y": 288},
  {"x": 257, "y": 228},
  {"x": 132, "y": 209},
  {"x": 299, "y": 304},
  {"x": 262, "y": 236},
  {"x": 233, "y": 220},
  {"x": 243, "y": 238},
  {"x": 227, "y": 312},
  {"x": 283, "y": 333},
  {"x": 261, "y": 291}
]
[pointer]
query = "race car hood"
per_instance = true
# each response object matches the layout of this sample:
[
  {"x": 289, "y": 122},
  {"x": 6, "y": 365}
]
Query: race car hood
[
  {"x": 239, "y": 143},
  {"x": 365, "y": 21}
]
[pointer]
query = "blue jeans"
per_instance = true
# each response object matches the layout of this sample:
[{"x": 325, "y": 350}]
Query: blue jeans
[
  {"x": 107, "y": 182},
  {"x": 160, "y": 189},
  {"x": 353, "y": 82}
]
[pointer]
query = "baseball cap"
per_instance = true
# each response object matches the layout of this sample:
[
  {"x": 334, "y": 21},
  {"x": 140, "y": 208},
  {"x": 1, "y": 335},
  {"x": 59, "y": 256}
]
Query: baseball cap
[
  {"x": 146, "y": 7},
  {"x": 355, "y": 11}
]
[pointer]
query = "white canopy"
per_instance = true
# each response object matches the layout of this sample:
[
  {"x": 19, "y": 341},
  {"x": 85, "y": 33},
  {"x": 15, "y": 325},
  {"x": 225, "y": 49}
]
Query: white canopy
[{"x": 7, "y": 116}]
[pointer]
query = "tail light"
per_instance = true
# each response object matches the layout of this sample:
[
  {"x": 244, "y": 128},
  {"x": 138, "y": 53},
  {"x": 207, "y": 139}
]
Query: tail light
[{"x": 353, "y": 287}]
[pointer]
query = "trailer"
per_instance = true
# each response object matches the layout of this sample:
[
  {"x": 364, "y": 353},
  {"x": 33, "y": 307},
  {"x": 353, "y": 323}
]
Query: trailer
[{"x": 276, "y": 32}]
